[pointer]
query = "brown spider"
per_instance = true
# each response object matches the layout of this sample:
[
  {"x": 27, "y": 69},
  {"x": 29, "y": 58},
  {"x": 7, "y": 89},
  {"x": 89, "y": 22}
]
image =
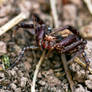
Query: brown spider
[{"x": 46, "y": 39}]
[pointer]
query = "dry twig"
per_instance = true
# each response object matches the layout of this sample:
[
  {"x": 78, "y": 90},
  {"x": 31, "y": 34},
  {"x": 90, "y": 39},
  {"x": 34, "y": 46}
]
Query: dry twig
[
  {"x": 89, "y": 5},
  {"x": 12, "y": 23},
  {"x": 54, "y": 12},
  {"x": 56, "y": 22},
  {"x": 37, "y": 70},
  {"x": 68, "y": 75}
]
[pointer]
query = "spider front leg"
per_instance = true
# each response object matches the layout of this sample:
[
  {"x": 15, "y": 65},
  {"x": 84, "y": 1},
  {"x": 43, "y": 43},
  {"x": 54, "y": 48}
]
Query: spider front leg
[{"x": 22, "y": 54}]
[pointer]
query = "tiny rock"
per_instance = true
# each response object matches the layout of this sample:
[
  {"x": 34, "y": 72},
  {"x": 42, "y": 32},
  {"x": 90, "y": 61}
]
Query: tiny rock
[
  {"x": 88, "y": 83},
  {"x": 86, "y": 31},
  {"x": 42, "y": 82},
  {"x": 23, "y": 81},
  {"x": 75, "y": 67},
  {"x": 2, "y": 48},
  {"x": 89, "y": 77},
  {"x": 13, "y": 86},
  {"x": 18, "y": 90},
  {"x": 80, "y": 89},
  {"x": 13, "y": 72},
  {"x": 27, "y": 65},
  {"x": 2, "y": 76},
  {"x": 80, "y": 76}
]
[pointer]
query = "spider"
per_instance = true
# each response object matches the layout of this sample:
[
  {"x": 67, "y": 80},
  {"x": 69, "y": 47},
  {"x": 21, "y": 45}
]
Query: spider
[{"x": 46, "y": 39}]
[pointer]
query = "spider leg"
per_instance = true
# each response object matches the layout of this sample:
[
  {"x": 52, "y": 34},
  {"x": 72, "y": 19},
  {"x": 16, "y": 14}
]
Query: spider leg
[
  {"x": 85, "y": 58},
  {"x": 22, "y": 54},
  {"x": 79, "y": 46},
  {"x": 71, "y": 46},
  {"x": 37, "y": 19},
  {"x": 66, "y": 41},
  {"x": 78, "y": 53},
  {"x": 72, "y": 29},
  {"x": 24, "y": 25}
]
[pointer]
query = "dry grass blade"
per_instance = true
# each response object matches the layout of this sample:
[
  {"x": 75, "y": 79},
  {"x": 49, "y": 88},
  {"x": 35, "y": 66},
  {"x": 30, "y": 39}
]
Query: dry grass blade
[
  {"x": 37, "y": 70},
  {"x": 54, "y": 12},
  {"x": 12, "y": 23},
  {"x": 89, "y": 5},
  {"x": 68, "y": 74},
  {"x": 56, "y": 22}
]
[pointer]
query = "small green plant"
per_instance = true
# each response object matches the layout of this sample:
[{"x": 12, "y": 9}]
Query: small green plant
[{"x": 5, "y": 61}]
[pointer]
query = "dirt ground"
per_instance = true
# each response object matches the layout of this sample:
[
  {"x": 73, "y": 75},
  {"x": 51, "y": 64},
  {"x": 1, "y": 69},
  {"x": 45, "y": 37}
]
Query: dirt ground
[{"x": 52, "y": 76}]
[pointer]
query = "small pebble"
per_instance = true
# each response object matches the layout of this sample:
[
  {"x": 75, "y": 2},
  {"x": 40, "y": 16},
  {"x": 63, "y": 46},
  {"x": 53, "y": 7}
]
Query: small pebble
[
  {"x": 13, "y": 72},
  {"x": 89, "y": 77},
  {"x": 86, "y": 31},
  {"x": 2, "y": 76},
  {"x": 80, "y": 89},
  {"x": 88, "y": 83},
  {"x": 18, "y": 90},
  {"x": 41, "y": 82},
  {"x": 13, "y": 86},
  {"x": 80, "y": 76},
  {"x": 23, "y": 81},
  {"x": 75, "y": 67},
  {"x": 3, "y": 48}
]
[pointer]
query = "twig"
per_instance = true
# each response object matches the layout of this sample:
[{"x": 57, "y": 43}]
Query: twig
[
  {"x": 37, "y": 70},
  {"x": 54, "y": 12},
  {"x": 68, "y": 75},
  {"x": 12, "y": 23},
  {"x": 89, "y": 5},
  {"x": 56, "y": 22},
  {"x": 21, "y": 54}
]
